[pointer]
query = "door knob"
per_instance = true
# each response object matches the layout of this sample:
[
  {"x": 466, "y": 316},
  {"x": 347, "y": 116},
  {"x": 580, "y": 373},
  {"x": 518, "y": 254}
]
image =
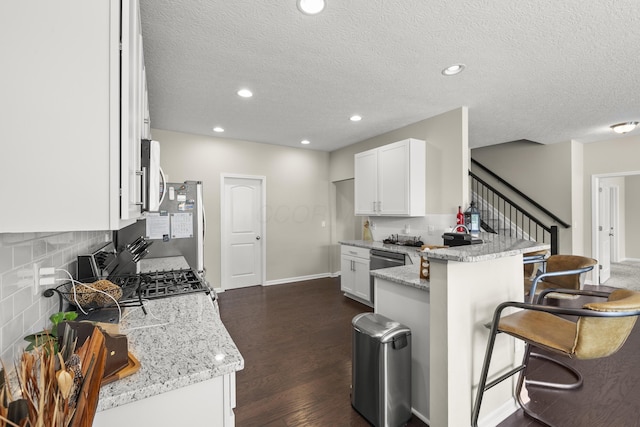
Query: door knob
[{"x": 257, "y": 237}]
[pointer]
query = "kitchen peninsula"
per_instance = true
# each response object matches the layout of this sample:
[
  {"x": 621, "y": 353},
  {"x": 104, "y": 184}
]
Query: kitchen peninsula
[
  {"x": 188, "y": 364},
  {"x": 447, "y": 315}
]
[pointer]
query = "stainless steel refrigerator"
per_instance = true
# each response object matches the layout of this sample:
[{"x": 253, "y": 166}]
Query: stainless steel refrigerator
[{"x": 176, "y": 229}]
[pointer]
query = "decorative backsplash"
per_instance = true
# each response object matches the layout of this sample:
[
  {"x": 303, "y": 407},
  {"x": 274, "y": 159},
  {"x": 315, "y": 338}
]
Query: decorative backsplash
[
  {"x": 429, "y": 227},
  {"x": 22, "y": 312}
]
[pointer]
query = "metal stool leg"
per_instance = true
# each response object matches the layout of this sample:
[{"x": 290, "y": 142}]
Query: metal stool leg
[{"x": 482, "y": 384}]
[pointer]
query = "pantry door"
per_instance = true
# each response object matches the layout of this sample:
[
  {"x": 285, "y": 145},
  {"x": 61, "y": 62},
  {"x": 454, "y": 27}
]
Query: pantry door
[{"x": 242, "y": 230}]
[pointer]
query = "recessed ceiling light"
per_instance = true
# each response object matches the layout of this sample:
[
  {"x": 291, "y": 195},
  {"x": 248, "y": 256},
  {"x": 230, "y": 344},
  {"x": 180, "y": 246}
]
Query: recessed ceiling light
[
  {"x": 245, "y": 93},
  {"x": 624, "y": 127},
  {"x": 218, "y": 129},
  {"x": 311, "y": 7},
  {"x": 355, "y": 118},
  {"x": 453, "y": 70},
  {"x": 305, "y": 142}
]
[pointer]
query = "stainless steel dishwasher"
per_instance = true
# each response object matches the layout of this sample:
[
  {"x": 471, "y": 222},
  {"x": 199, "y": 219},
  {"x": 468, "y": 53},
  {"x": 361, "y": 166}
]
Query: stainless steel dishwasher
[{"x": 383, "y": 259}]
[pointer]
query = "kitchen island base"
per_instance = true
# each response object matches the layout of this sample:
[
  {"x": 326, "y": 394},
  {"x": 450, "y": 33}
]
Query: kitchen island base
[
  {"x": 409, "y": 306},
  {"x": 447, "y": 315}
]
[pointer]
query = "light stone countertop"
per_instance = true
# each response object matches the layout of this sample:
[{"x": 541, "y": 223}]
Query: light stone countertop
[
  {"x": 176, "y": 343},
  {"x": 494, "y": 247},
  {"x": 408, "y": 275},
  {"x": 368, "y": 244}
]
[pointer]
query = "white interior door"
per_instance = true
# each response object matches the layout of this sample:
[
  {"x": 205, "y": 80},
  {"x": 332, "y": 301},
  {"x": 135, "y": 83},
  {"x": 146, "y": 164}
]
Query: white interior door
[
  {"x": 604, "y": 234},
  {"x": 242, "y": 231}
]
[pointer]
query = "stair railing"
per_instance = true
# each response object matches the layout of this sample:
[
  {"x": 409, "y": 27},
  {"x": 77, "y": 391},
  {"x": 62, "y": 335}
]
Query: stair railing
[{"x": 501, "y": 215}]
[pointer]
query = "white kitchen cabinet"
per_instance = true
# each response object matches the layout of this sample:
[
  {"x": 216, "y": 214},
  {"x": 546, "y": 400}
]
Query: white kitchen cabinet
[
  {"x": 390, "y": 180},
  {"x": 206, "y": 403},
  {"x": 64, "y": 161},
  {"x": 355, "y": 280}
]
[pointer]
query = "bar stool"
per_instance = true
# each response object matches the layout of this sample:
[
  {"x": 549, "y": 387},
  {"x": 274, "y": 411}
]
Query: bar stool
[
  {"x": 601, "y": 330},
  {"x": 559, "y": 271}
]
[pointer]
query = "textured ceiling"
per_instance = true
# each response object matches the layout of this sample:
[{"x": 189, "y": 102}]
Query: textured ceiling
[{"x": 545, "y": 70}]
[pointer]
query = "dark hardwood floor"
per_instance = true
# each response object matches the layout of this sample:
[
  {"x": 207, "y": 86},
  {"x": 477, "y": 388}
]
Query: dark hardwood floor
[{"x": 296, "y": 342}]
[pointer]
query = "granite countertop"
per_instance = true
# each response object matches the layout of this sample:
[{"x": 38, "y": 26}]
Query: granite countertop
[
  {"x": 494, "y": 246},
  {"x": 408, "y": 275},
  {"x": 368, "y": 244},
  {"x": 181, "y": 341}
]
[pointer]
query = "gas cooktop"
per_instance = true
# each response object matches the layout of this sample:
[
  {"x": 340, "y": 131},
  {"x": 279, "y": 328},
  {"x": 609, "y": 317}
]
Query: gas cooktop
[{"x": 162, "y": 284}]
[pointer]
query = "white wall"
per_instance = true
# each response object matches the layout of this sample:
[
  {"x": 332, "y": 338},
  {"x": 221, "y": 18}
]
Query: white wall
[
  {"x": 21, "y": 312},
  {"x": 297, "y": 197}
]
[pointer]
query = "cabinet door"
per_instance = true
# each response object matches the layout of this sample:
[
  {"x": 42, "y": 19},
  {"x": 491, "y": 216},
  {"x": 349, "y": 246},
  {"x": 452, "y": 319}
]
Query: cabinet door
[
  {"x": 362, "y": 279},
  {"x": 393, "y": 178},
  {"x": 55, "y": 81},
  {"x": 366, "y": 182},
  {"x": 347, "y": 274},
  {"x": 131, "y": 112}
]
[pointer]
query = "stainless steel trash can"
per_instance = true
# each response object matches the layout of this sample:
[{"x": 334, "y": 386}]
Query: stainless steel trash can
[{"x": 381, "y": 370}]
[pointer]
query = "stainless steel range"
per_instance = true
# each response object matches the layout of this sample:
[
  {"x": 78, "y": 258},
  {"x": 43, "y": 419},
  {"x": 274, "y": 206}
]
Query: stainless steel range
[{"x": 134, "y": 288}]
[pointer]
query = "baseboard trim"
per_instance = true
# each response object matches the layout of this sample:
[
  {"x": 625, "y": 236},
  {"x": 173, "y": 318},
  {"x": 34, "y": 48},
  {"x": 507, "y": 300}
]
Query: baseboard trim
[
  {"x": 420, "y": 416},
  {"x": 297, "y": 279},
  {"x": 499, "y": 414}
]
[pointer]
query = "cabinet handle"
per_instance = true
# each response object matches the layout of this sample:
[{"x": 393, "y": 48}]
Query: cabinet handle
[
  {"x": 374, "y": 206},
  {"x": 143, "y": 174},
  {"x": 379, "y": 206},
  {"x": 353, "y": 267}
]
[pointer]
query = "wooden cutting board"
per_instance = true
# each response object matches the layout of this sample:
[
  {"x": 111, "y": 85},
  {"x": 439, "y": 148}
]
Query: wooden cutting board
[
  {"x": 92, "y": 354},
  {"x": 132, "y": 367}
]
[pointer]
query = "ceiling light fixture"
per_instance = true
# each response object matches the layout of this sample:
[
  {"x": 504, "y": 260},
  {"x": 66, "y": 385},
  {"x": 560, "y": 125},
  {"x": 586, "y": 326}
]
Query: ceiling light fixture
[
  {"x": 305, "y": 142},
  {"x": 453, "y": 70},
  {"x": 218, "y": 129},
  {"x": 355, "y": 118},
  {"x": 245, "y": 93},
  {"x": 624, "y": 127},
  {"x": 311, "y": 7}
]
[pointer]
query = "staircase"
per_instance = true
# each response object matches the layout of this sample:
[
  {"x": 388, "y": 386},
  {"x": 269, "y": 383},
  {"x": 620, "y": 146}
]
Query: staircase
[{"x": 500, "y": 214}]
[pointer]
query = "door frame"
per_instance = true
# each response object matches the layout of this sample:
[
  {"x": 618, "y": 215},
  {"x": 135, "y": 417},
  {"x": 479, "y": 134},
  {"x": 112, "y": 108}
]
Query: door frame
[
  {"x": 595, "y": 216},
  {"x": 223, "y": 219}
]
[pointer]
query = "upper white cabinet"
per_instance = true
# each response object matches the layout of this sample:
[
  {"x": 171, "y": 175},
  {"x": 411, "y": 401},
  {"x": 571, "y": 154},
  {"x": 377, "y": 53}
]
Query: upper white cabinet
[
  {"x": 390, "y": 180},
  {"x": 70, "y": 147}
]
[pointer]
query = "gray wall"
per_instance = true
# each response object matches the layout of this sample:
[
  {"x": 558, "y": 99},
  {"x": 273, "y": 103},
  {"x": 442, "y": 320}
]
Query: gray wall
[
  {"x": 632, "y": 217},
  {"x": 297, "y": 197},
  {"x": 616, "y": 156},
  {"x": 543, "y": 172},
  {"x": 447, "y": 158}
]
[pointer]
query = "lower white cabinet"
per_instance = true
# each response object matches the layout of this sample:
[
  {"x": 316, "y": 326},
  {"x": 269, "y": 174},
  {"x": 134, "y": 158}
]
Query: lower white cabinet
[
  {"x": 207, "y": 403},
  {"x": 355, "y": 280}
]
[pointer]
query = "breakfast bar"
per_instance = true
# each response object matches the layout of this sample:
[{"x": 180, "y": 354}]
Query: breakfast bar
[{"x": 447, "y": 315}]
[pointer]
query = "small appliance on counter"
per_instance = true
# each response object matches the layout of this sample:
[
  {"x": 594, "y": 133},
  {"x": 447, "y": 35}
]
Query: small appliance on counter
[
  {"x": 460, "y": 239},
  {"x": 403, "y": 240}
]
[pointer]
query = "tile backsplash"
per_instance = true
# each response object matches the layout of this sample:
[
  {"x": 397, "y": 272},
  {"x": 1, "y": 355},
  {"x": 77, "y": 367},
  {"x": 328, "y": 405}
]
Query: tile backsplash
[{"x": 22, "y": 312}]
